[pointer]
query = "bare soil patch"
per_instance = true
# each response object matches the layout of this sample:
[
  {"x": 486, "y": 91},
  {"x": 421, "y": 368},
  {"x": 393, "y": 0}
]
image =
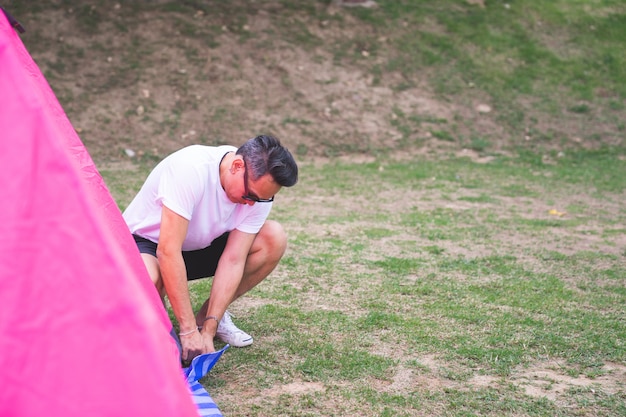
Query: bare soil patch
[
  {"x": 144, "y": 82},
  {"x": 548, "y": 379}
]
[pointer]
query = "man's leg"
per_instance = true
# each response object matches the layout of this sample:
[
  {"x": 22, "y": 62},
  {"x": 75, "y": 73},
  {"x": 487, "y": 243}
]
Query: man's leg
[
  {"x": 152, "y": 265},
  {"x": 267, "y": 249}
]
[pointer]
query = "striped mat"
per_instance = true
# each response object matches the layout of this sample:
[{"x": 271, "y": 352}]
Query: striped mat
[{"x": 200, "y": 366}]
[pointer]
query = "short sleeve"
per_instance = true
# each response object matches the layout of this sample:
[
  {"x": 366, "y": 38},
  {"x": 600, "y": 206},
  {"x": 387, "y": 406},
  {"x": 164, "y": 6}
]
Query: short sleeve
[
  {"x": 180, "y": 188},
  {"x": 255, "y": 219}
]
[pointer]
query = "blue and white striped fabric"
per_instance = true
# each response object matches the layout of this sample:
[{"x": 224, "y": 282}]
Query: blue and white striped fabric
[{"x": 200, "y": 366}]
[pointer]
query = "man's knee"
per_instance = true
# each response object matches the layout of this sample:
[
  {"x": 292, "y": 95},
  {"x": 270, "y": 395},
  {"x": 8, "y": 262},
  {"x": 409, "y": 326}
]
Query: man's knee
[
  {"x": 152, "y": 266},
  {"x": 273, "y": 238}
]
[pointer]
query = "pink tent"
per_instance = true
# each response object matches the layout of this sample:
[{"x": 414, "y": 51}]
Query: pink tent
[{"x": 81, "y": 329}]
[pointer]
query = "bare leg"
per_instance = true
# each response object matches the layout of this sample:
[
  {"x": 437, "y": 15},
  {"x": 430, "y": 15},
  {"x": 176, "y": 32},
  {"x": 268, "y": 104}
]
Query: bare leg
[
  {"x": 152, "y": 265},
  {"x": 267, "y": 249}
]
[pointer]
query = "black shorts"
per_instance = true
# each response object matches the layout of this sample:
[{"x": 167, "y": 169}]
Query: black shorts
[{"x": 200, "y": 263}]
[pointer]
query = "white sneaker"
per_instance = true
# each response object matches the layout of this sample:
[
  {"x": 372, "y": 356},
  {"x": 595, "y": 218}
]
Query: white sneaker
[{"x": 227, "y": 332}]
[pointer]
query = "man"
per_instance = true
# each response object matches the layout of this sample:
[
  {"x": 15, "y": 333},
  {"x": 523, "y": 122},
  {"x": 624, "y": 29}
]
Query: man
[{"x": 203, "y": 212}]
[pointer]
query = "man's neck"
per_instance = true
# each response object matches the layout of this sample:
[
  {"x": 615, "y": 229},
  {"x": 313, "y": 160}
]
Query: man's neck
[{"x": 225, "y": 164}]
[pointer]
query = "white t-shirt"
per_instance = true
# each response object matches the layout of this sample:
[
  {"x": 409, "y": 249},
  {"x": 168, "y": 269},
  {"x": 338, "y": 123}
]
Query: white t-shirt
[{"x": 188, "y": 183}]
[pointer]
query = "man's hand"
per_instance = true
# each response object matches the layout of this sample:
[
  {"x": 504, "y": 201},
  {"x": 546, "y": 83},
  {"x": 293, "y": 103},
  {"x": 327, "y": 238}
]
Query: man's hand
[
  {"x": 208, "y": 341},
  {"x": 195, "y": 344}
]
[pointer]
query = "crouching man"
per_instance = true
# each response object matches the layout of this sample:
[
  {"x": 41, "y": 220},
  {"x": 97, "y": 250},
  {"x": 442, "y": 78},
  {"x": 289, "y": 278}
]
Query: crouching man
[{"x": 202, "y": 212}]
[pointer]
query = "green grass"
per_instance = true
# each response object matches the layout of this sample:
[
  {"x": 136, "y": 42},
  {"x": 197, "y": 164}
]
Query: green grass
[
  {"x": 429, "y": 271},
  {"x": 533, "y": 59}
]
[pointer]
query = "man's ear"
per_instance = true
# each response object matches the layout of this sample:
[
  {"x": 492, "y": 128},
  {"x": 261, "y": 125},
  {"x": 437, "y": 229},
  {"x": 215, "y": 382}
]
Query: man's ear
[{"x": 237, "y": 164}]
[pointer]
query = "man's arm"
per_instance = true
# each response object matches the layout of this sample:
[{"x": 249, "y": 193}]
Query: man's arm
[
  {"x": 172, "y": 265},
  {"x": 228, "y": 275}
]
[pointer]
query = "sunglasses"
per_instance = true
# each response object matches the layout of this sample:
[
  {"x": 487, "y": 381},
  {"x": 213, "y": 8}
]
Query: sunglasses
[{"x": 251, "y": 197}]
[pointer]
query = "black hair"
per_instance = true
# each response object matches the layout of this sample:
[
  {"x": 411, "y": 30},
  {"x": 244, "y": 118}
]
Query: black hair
[{"x": 264, "y": 154}]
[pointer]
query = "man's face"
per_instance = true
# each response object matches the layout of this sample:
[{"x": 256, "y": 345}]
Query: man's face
[
  {"x": 243, "y": 190},
  {"x": 248, "y": 196}
]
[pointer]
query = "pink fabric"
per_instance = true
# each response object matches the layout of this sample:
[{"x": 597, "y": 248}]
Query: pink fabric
[{"x": 82, "y": 332}]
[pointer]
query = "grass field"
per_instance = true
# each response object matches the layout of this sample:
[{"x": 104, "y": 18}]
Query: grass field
[{"x": 445, "y": 287}]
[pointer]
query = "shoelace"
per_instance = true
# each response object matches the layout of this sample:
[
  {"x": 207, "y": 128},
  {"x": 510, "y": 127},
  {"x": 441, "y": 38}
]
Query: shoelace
[{"x": 229, "y": 325}]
